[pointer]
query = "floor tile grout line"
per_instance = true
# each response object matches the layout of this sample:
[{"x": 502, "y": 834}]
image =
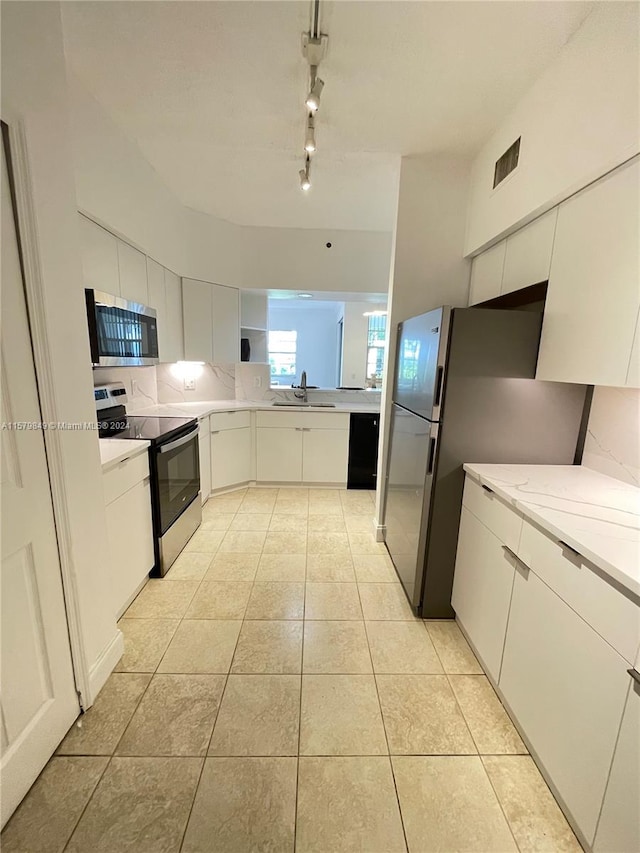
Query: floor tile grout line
[{"x": 86, "y": 805}]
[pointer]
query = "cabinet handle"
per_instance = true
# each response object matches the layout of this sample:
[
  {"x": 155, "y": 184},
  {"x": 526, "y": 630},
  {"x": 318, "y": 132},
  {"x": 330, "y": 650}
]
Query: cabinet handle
[
  {"x": 572, "y": 551},
  {"x": 215, "y": 431},
  {"x": 299, "y": 429},
  {"x": 513, "y": 556},
  {"x": 487, "y": 490},
  {"x": 123, "y": 462},
  {"x": 635, "y": 675}
]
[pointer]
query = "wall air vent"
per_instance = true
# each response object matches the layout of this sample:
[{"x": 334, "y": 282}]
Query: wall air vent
[{"x": 507, "y": 163}]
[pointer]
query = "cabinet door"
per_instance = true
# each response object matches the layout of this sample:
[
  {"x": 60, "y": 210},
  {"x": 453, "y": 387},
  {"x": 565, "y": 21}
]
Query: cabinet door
[
  {"x": 325, "y": 455},
  {"x": 619, "y": 826},
  {"x": 198, "y": 329},
  {"x": 155, "y": 280},
  {"x": 204, "y": 447},
  {"x": 527, "y": 257},
  {"x": 132, "y": 265},
  {"x": 279, "y": 454},
  {"x": 173, "y": 334},
  {"x": 130, "y": 537},
  {"x": 99, "y": 257},
  {"x": 482, "y": 587},
  {"x": 593, "y": 297},
  {"x": 486, "y": 274},
  {"x": 566, "y": 687},
  {"x": 633, "y": 373},
  {"x": 230, "y": 457},
  {"x": 226, "y": 324}
]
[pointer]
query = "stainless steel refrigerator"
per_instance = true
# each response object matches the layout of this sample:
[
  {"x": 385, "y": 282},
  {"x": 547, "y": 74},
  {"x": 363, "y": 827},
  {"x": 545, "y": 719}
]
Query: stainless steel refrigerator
[{"x": 464, "y": 392}]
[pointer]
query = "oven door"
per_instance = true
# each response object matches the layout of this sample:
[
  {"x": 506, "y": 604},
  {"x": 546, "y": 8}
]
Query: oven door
[
  {"x": 120, "y": 332},
  {"x": 177, "y": 477}
]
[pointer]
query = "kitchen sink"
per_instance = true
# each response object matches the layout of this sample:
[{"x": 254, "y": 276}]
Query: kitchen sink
[{"x": 304, "y": 405}]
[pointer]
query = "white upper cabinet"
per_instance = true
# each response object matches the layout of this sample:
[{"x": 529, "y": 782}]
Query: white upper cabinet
[
  {"x": 173, "y": 334},
  {"x": 527, "y": 257},
  {"x": 197, "y": 309},
  {"x": 157, "y": 301},
  {"x": 226, "y": 324},
  {"x": 594, "y": 295},
  {"x": 211, "y": 322},
  {"x": 99, "y": 251},
  {"x": 486, "y": 274},
  {"x": 133, "y": 274},
  {"x": 253, "y": 310}
]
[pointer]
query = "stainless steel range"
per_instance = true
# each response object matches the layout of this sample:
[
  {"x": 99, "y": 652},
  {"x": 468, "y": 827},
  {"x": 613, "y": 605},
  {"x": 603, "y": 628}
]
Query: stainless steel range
[{"x": 173, "y": 463}]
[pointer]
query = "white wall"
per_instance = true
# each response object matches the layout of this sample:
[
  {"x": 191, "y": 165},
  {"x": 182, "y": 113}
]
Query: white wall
[
  {"x": 428, "y": 269},
  {"x": 317, "y": 343},
  {"x": 356, "y": 333},
  {"x": 612, "y": 445},
  {"x": 578, "y": 121},
  {"x": 34, "y": 91}
]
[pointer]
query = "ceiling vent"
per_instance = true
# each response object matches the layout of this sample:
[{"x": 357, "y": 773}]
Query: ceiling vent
[{"x": 507, "y": 163}]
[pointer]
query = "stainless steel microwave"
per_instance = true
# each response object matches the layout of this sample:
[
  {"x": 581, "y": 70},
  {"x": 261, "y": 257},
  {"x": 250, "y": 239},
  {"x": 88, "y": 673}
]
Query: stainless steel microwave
[{"x": 121, "y": 333}]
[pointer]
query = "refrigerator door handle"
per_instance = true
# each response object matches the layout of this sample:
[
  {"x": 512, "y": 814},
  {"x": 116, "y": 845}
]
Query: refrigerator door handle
[
  {"x": 438, "y": 393},
  {"x": 432, "y": 453}
]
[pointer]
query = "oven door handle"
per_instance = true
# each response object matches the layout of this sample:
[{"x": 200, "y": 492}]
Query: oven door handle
[{"x": 165, "y": 448}]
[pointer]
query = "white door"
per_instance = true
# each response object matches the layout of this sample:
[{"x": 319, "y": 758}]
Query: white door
[
  {"x": 279, "y": 454},
  {"x": 230, "y": 457},
  {"x": 39, "y": 700}
]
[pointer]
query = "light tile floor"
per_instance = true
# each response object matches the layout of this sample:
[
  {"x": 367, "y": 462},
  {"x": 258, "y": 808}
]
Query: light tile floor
[{"x": 277, "y": 694}]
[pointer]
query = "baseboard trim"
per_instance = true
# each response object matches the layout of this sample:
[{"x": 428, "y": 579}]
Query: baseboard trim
[
  {"x": 379, "y": 531},
  {"x": 104, "y": 666}
]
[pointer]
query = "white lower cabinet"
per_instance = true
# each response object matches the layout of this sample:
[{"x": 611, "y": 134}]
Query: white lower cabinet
[
  {"x": 302, "y": 447},
  {"x": 204, "y": 449},
  {"x": 482, "y": 590},
  {"x": 230, "y": 457},
  {"x": 279, "y": 454},
  {"x": 619, "y": 826},
  {"x": 129, "y": 531},
  {"x": 566, "y": 687},
  {"x": 325, "y": 455}
]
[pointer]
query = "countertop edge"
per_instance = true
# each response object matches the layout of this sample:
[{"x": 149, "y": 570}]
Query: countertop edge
[
  {"x": 132, "y": 447},
  {"x": 538, "y": 516}
]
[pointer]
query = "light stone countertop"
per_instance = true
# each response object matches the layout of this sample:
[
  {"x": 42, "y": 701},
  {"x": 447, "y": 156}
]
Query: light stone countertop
[
  {"x": 115, "y": 450},
  {"x": 204, "y": 408},
  {"x": 597, "y": 515}
]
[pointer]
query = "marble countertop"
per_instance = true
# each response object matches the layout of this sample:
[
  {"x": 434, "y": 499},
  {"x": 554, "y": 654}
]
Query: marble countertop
[
  {"x": 208, "y": 407},
  {"x": 115, "y": 450},
  {"x": 597, "y": 515}
]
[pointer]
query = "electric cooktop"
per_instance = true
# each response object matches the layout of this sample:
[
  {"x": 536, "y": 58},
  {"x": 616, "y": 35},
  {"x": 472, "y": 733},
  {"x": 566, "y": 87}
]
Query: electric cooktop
[{"x": 155, "y": 430}]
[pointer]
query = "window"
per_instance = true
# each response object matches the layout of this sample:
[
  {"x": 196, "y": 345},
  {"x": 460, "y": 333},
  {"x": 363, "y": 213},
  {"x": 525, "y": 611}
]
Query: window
[
  {"x": 375, "y": 345},
  {"x": 282, "y": 356}
]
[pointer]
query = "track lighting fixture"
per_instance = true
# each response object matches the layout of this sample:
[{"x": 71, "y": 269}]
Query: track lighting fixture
[
  {"x": 310, "y": 138},
  {"x": 317, "y": 85},
  {"x": 305, "y": 179}
]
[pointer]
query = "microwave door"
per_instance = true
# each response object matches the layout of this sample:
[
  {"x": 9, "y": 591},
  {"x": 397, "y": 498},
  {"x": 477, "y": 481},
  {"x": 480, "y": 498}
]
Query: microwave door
[{"x": 120, "y": 332}]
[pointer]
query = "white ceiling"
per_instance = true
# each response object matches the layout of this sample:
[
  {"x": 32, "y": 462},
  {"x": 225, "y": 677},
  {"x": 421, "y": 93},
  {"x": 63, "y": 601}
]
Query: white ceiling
[{"x": 212, "y": 92}]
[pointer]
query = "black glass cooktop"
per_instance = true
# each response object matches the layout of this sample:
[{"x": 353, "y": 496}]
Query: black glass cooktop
[{"x": 155, "y": 430}]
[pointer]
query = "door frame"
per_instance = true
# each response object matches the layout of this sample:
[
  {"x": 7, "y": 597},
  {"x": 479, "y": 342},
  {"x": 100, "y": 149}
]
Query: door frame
[{"x": 14, "y": 141}]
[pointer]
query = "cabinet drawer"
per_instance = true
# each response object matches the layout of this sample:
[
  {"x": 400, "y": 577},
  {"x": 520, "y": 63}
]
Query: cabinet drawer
[
  {"x": 502, "y": 520},
  {"x": 482, "y": 587},
  {"x": 610, "y": 613},
  {"x": 309, "y": 420},
  {"x": 230, "y": 420},
  {"x": 119, "y": 479}
]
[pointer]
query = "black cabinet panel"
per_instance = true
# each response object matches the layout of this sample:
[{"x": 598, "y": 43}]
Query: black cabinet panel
[{"x": 363, "y": 451}]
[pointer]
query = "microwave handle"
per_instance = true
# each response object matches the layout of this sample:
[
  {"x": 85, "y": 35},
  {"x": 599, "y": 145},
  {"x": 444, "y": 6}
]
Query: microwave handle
[{"x": 165, "y": 448}]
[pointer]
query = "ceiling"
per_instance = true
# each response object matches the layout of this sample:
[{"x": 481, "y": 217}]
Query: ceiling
[
  {"x": 213, "y": 92},
  {"x": 318, "y": 296}
]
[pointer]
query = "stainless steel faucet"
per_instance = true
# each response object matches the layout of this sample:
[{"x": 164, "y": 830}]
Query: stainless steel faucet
[{"x": 303, "y": 387}]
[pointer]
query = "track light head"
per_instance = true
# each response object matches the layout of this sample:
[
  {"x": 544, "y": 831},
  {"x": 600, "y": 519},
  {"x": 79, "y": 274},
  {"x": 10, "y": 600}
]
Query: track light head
[
  {"x": 305, "y": 179},
  {"x": 313, "y": 98},
  {"x": 310, "y": 138}
]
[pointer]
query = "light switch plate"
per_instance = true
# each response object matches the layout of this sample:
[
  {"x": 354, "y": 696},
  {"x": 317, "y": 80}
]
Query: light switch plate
[
  {"x": 189, "y": 383},
  {"x": 257, "y": 381}
]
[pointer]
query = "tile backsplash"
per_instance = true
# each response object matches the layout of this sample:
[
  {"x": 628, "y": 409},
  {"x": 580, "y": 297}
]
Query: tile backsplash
[
  {"x": 140, "y": 382},
  {"x": 612, "y": 445},
  {"x": 212, "y": 382}
]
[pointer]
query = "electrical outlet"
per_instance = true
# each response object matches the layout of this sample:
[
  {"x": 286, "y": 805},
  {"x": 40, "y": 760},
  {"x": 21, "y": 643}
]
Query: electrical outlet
[
  {"x": 257, "y": 381},
  {"x": 189, "y": 383}
]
